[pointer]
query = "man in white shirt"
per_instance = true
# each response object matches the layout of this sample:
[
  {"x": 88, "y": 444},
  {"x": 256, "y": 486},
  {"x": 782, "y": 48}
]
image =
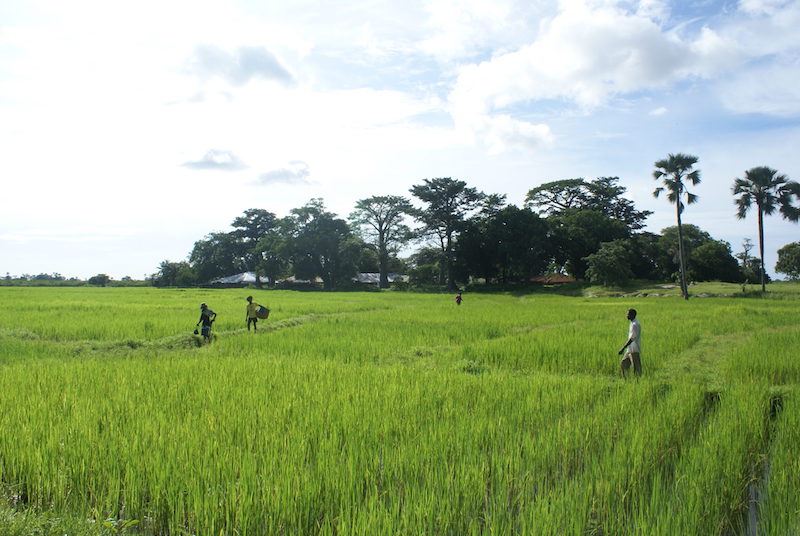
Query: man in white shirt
[{"x": 634, "y": 347}]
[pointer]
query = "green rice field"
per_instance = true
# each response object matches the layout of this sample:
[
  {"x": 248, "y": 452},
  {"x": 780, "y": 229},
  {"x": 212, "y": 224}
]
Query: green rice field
[{"x": 396, "y": 413}]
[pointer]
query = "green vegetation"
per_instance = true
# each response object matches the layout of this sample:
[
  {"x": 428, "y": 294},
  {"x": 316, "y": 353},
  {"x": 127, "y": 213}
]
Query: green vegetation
[{"x": 398, "y": 413}]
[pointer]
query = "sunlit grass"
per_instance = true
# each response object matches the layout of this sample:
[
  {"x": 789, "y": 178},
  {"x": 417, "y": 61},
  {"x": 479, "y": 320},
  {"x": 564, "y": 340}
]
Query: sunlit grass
[{"x": 375, "y": 413}]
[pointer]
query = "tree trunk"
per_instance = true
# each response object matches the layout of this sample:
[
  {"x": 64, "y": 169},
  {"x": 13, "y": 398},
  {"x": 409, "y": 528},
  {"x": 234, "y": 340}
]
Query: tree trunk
[
  {"x": 681, "y": 254},
  {"x": 442, "y": 262},
  {"x": 383, "y": 262},
  {"x": 451, "y": 285},
  {"x": 761, "y": 247}
]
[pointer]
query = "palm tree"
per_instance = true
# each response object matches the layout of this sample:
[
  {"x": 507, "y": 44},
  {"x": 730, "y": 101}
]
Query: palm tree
[
  {"x": 769, "y": 191},
  {"x": 673, "y": 171}
]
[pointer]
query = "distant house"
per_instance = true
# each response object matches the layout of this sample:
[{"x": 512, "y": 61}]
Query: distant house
[
  {"x": 238, "y": 280},
  {"x": 292, "y": 280},
  {"x": 374, "y": 278},
  {"x": 551, "y": 279}
]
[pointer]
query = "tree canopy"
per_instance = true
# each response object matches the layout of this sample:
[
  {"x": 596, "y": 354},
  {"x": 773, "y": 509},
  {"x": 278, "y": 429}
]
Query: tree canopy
[
  {"x": 789, "y": 260},
  {"x": 603, "y": 195},
  {"x": 447, "y": 203},
  {"x": 587, "y": 229},
  {"x": 380, "y": 218}
]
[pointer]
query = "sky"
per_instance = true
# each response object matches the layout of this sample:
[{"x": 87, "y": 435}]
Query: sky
[{"x": 130, "y": 130}]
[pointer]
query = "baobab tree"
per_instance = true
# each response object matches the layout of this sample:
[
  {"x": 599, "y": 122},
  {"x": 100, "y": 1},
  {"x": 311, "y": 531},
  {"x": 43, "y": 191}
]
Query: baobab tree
[{"x": 381, "y": 217}]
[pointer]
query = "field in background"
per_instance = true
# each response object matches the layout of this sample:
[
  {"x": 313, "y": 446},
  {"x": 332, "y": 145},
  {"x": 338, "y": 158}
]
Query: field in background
[{"x": 375, "y": 413}]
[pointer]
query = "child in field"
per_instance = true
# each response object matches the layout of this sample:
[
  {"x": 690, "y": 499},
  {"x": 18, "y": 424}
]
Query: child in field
[
  {"x": 207, "y": 317},
  {"x": 252, "y": 316},
  {"x": 458, "y": 299}
]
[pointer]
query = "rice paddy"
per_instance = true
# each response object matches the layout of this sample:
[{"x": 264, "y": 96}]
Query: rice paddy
[{"x": 395, "y": 413}]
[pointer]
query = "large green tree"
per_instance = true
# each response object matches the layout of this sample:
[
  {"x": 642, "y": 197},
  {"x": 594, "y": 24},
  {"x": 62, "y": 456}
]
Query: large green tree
[
  {"x": 668, "y": 259},
  {"x": 604, "y": 195},
  {"x": 768, "y": 190},
  {"x": 611, "y": 264},
  {"x": 557, "y": 196},
  {"x": 381, "y": 220},
  {"x": 248, "y": 230},
  {"x": 320, "y": 244},
  {"x": 576, "y": 235},
  {"x": 274, "y": 250},
  {"x": 508, "y": 244},
  {"x": 789, "y": 260},
  {"x": 674, "y": 172},
  {"x": 174, "y": 274},
  {"x": 447, "y": 203},
  {"x": 713, "y": 261},
  {"x": 645, "y": 253},
  {"x": 216, "y": 255}
]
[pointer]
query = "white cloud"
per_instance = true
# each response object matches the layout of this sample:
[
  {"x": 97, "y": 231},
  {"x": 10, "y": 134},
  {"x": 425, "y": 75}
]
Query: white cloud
[
  {"x": 661, "y": 110},
  {"x": 766, "y": 28},
  {"x": 506, "y": 132},
  {"x": 217, "y": 159},
  {"x": 763, "y": 7},
  {"x": 588, "y": 54},
  {"x": 657, "y": 10},
  {"x": 460, "y": 28},
  {"x": 295, "y": 172},
  {"x": 769, "y": 89},
  {"x": 239, "y": 67}
]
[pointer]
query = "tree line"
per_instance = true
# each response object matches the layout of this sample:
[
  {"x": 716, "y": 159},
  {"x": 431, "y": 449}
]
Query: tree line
[{"x": 584, "y": 228}]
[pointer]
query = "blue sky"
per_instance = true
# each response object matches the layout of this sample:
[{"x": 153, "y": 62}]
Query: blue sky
[{"x": 129, "y": 131}]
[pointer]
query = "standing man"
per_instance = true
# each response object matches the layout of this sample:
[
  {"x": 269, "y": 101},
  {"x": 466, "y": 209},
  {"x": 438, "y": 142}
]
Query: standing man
[
  {"x": 634, "y": 347},
  {"x": 252, "y": 314},
  {"x": 207, "y": 317}
]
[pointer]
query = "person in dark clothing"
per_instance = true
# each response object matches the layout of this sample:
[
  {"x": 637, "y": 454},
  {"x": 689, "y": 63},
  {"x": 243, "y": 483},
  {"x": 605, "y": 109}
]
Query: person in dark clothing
[{"x": 207, "y": 317}]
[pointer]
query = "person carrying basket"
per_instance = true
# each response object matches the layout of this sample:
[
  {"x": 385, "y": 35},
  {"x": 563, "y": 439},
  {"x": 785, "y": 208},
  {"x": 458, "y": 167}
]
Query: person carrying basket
[{"x": 254, "y": 312}]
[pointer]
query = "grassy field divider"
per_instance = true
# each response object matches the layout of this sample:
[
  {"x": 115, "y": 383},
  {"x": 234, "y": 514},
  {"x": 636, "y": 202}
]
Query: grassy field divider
[
  {"x": 777, "y": 499},
  {"x": 623, "y": 464},
  {"x": 708, "y": 492}
]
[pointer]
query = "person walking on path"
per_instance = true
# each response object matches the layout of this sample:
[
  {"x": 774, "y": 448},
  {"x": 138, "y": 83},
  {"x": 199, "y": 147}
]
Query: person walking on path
[
  {"x": 633, "y": 347},
  {"x": 252, "y": 313},
  {"x": 207, "y": 317}
]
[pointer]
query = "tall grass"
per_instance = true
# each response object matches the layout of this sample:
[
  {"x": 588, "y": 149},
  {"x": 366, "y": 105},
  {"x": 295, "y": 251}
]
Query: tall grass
[{"x": 392, "y": 413}]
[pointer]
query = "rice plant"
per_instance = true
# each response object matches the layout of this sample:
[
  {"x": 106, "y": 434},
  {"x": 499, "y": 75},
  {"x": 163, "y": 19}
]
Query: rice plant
[{"x": 397, "y": 413}]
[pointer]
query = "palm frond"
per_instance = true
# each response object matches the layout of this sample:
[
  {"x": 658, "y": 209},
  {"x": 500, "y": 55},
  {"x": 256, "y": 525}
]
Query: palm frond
[
  {"x": 741, "y": 186},
  {"x": 743, "y": 205},
  {"x": 790, "y": 212},
  {"x": 769, "y": 190}
]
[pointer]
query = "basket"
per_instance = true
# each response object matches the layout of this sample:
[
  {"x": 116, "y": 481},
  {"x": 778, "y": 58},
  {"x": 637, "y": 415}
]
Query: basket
[{"x": 262, "y": 313}]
